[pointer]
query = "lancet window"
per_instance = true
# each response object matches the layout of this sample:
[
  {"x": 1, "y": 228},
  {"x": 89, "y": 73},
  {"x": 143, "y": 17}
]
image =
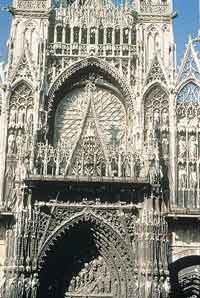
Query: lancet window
[
  {"x": 188, "y": 153},
  {"x": 156, "y": 121},
  {"x": 125, "y": 35},
  {"x": 67, "y": 34},
  {"x": 101, "y": 35},
  {"x": 109, "y": 35},
  {"x": 20, "y": 126},
  {"x": 84, "y": 35},
  {"x": 92, "y": 35},
  {"x": 76, "y": 34},
  {"x": 117, "y": 35},
  {"x": 59, "y": 33}
]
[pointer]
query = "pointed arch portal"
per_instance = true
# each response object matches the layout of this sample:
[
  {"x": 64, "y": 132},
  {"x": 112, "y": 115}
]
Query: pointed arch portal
[{"x": 85, "y": 258}]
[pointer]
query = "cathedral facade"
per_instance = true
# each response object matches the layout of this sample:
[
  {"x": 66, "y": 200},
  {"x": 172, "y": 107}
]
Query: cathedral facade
[{"x": 99, "y": 153}]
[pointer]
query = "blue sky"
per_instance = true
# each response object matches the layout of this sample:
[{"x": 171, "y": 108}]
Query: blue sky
[{"x": 187, "y": 22}]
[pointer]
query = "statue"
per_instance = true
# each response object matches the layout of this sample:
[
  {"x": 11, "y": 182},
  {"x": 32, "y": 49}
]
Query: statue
[
  {"x": 155, "y": 290},
  {"x": 27, "y": 287},
  {"x": 20, "y": 286},
  {"x": 11, "y": 143},
  {"x": 156, "y": 119},
  {"x": 34, "y": 285},
  {"x": 2, "y": 286},
  {"x": 167, "y": 287},
  {"x": 165, "y": 146},
  {"x": 182, "y": 147},
  {"x": 193, "y": 147},
  {"x": 182, "y": 177},
  {"x": 165, "y": 118},
  {"x": 19, "y": 141},
  {"x": 21, "y": 117},
  {"x": 12, "y": 117},
  {"x": 12, "y": 288}
]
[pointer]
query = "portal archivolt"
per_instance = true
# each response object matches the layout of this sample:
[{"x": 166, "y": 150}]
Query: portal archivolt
[{"x": 88, "y": 258}]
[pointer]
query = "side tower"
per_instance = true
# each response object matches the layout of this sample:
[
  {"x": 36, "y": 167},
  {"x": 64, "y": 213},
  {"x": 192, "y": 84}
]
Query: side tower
[{"x": 86, "y": 149}]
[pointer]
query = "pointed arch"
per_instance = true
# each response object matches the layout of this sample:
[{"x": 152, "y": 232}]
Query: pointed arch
[
  {"x": 104, "y": 242},
  {"x": 92, "y": 65},
  {"x": 156, "y": 115}
]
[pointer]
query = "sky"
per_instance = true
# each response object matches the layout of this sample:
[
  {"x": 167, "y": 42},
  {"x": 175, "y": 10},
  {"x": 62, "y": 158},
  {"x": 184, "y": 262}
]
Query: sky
[{"x": 187, "y": 22}]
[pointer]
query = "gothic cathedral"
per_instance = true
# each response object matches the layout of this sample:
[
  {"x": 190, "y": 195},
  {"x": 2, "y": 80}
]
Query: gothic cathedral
[{"x": 99, "y": 153}]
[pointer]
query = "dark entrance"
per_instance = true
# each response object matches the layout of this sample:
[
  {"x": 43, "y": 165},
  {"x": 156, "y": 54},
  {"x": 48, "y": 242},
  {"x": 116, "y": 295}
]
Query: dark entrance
[
  {"x": 80, "y": 265},
  {"x": 185, "y": 276}
]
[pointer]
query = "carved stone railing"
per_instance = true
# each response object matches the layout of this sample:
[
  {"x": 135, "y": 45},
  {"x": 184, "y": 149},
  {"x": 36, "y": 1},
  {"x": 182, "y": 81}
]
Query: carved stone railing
[
  {"x": 31, "y": 4},
  {"x": 154, "y": 9},
  {"x": 102, "y": 50},
  {"x": 58, "y": 161}
]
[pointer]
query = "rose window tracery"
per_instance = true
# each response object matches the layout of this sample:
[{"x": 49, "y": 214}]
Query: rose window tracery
[{"x": 108, "y": 112}]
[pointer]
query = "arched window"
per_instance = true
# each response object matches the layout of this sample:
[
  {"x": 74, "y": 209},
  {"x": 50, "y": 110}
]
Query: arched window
[
  {"x": 190, "y": 92},
  {"x": 51, "y": 33},
  {"x": 76, "y": 34},
  {"x": 125, "y": 35},
  {"x": 84, "y": 35},
  {"x": 155, "y": 109},
  {"x": 59, "y": 33},
  {"x": 101, "y": 37},
  {"x": 133, "y": 36},
  {"x": 117, "y": 35},
  {"x": 92, "y": 35},
  {"x": 67, "y": 34},
  {"x": 109, "y": 35}
]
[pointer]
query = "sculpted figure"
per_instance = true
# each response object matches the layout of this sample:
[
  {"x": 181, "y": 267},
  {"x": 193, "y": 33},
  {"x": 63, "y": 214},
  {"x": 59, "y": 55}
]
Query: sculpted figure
[
  {"x": 155, "y": 290},
  {"x": 167, "y": 287},
  {"x": 20, "y": 286},
  {"x": 182, "y": 177},
  {"x": 182, "y": 147},
  {"x": 156, "y": 119},
  {"x": 193, "y": 147},
  {"x": 193, "y": 177},
  {"x": 11, "y": 143},
  {"x": 34, "y": 285},
  {"x": 165, "y": 146},
  {"x": 165, "y": 117},
  {"x": 12, "y": 288},
  {"x": 21, "y": 117},
  {"x": 2, "y": 286},
  {"x": 19, "y": 140},
  {"x": 27, "y": 287},
  {"x": 12, "y": 117}
]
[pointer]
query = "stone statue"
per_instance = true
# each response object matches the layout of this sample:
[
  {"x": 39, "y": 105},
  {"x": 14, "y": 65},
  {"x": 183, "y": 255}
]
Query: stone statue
[
  {"x": 12, "y": 117},
  {"x": 182, "y": 177},
  {"x": 156, "y": 119},
  {"x": 34, "y": 285},
  {"x": 19, "y": 141},
  {"x": 165, "y": 118},
  {"x": 21, "y": 118},
  {"x": 193, "y": 177},
  {"x": 155, "y": 290},
  {"x": 193, "y": 147},
  {"x": 27, "y": 287},
  {"x": 11, "y": 143},
  {"x": 165, "y": 146},
  {"x": 2, "y": 286},
  {"x": 167, "y": 287},
  {"x": 20, "y": 286},
  {"x": 182, "y": 147}
]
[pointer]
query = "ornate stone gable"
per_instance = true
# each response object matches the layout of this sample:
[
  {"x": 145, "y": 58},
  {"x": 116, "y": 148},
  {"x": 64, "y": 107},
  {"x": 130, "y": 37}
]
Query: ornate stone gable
[
  {"x": 190, "y": 67},
  {"x": 156, "y": 72},
  {"x": 24, "y": 69}
]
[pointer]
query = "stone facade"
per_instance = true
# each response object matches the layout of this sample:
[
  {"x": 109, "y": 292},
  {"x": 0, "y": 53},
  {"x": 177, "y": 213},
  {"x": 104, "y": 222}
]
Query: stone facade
[{"x": 99, "y": 153}]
